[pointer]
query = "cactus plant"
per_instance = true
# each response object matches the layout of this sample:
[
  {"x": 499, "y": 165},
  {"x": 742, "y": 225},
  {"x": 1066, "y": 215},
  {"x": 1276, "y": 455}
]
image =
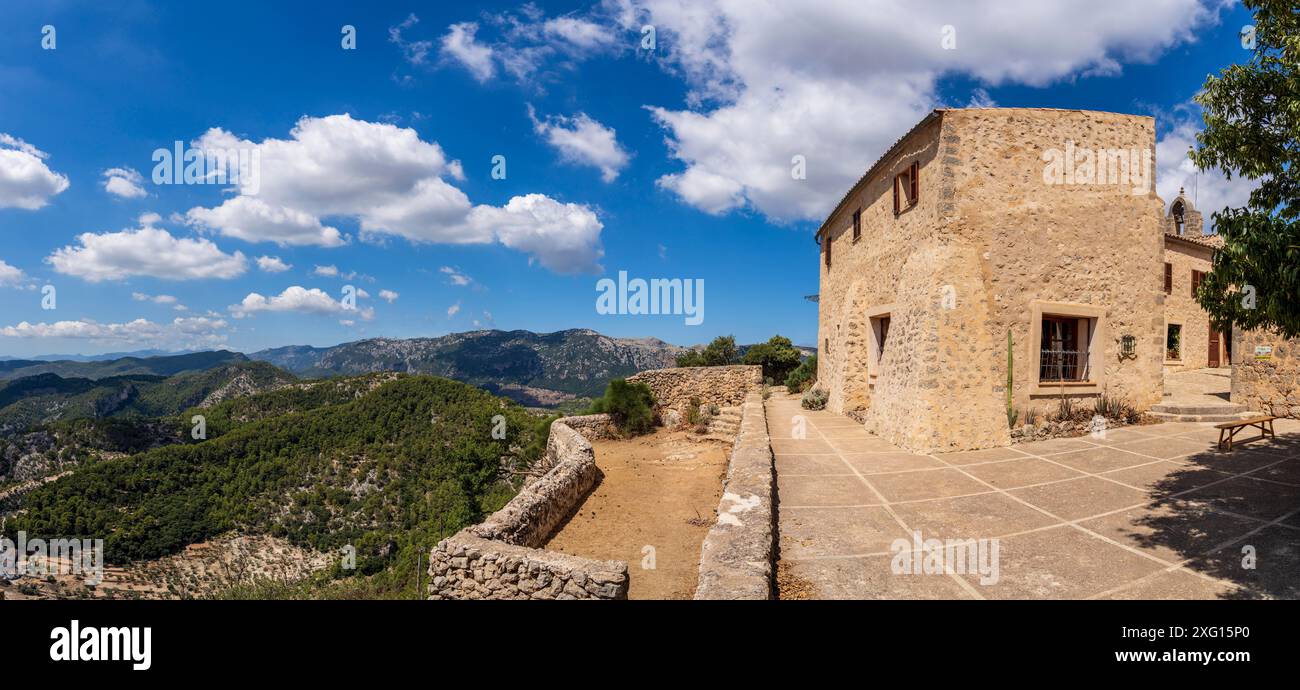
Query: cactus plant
[{"x": 1012, "y": 413}]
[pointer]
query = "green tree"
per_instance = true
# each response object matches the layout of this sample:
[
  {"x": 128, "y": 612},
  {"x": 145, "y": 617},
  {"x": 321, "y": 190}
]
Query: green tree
[
  {"x": 1252, "y": 116},
  {"x": 802, "y": 375},
  {"x": 721, "y": 352},
  {"x": 778, "y": 357}
]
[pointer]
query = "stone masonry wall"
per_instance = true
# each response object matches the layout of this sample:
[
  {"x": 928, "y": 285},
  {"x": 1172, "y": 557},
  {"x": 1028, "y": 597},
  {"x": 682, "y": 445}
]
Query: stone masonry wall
[
  {"x": 737, "y": 555},
  {"x": 1272, "y": 385},
  {"x": 499, "y": 559},
  {"x": 721, "y": 386},
  {"x": 1182, "y": 308}
]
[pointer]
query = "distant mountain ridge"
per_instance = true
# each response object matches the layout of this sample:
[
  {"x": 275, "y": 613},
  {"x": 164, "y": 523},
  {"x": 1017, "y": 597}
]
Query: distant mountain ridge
[
  {"x": 167, "y": 365},
  {"x": 532, "y": 368}
]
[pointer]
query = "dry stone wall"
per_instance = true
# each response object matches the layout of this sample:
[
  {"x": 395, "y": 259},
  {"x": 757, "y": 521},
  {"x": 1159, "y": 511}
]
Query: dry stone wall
[
  {"x": 1268, "y": 382},
  {"x": 738, "y": 552},
  {"x": 499, "y": 558},
  {"x": 721, "y": 386}
]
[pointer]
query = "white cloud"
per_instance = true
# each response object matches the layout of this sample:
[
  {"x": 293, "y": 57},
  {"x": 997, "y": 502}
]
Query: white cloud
[
  {"x": 580, "y": 33},
  {"x": 124, "y": 182},
  {"x": 584, "y": 141},
  {"x": 843, "y": 82},
  {"x": 453, "y": 310},
  {"x": 26, "y": 182},
  {"x": 253, "y": 220},
  {"x": 460, "y": 45},
  {"x": 1209, "y": 191},
  {"x": 183, "y": 332},
  {"x": 388, "y": 295},
  {"x": 156, "y": 299},
  {"x": 563, "y": 237},
  {"x": 388, "y": 179},
  {"x": 296, "y": 299},
  {"x": 455, "y": 276},
  {"x": 414, "y": 52},
  {"x": 145, "y": 251},
  {"x": 330, "y": 271},
  {"x": 272, "y": 264},
  {"x": 10, "y": 276}
]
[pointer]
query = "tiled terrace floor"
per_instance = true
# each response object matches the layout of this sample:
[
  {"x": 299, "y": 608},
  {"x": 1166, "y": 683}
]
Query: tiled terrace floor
[{"x": 1147, "y": 512}]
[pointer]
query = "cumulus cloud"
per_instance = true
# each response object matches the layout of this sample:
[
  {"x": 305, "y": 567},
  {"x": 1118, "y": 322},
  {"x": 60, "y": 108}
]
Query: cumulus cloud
[
  {"x": 193, "y": 332},
  {"x": 759, "y": 95},
  {"x": 26, "y": 182},
  {"x": 453, "y": 310},
  {"x": 10, "y": 276},
  {"x": 330, "y": 271},
  {"x": 392, "y": 183},
  {"x": 145, "y": 251},
  {"x": 272, "y": 264},
  {"x": 460, "y": 45},
  {"x": 414, "y": 52},
  {"x": 124, "y": 182},
  {"x": 297, "y": 299},
  {"x": 584, "y": 141},
  {"x": 388, "y": 296}
]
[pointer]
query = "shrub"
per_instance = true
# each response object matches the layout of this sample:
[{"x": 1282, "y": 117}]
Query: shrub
[
  {"x": 798, "y": 379},
  {"x": 693, "y": 411},
  {"x": 814, "y": 399},
  {"x": 631, "y": 405}
]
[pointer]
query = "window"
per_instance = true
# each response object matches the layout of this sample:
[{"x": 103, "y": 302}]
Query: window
[
  {"x": 882, "y": 334},
  {"x": 857, "y": 225},
  {"x": 906, "y": 188},
  {"x": 1174, "y": 342},
  {"x": 1064, "y": 342},
  {"x": 827, "y": 348},
  {"x": 1197, "y": 277},
  {"x": 828, "y": 250},
  {"x": 1169, "y": 278}
]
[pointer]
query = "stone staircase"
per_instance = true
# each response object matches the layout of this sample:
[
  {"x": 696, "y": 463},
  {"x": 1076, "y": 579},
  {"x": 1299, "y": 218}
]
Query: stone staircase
[
  {"x": 726, "y": 424},
  {"x": 1199, "y": 395}
]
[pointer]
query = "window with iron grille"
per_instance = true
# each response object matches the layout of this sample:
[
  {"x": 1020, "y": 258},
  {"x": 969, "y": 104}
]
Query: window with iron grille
[{"x": 1064, "y": 349}]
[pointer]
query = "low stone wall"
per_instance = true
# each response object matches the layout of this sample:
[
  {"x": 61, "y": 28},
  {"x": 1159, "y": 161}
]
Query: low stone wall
[
  {"x": 1270, "y": 381},
  {"x": 499, "y": 559},
  {"x": 721, "y": 386},
  {"x": 593, "y": 427},
  {"x": 736, "y": 560},
  {"x": 469, "y": 567}
]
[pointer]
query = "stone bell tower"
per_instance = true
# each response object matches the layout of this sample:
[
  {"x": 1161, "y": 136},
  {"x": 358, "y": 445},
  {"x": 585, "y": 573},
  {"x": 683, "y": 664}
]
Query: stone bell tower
[{"x": 1183, "y": 219}]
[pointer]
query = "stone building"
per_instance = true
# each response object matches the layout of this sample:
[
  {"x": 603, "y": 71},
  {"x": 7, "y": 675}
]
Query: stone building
[
  {"x": 978, "y": 223},
  {"x": 1190, "y": 341}
]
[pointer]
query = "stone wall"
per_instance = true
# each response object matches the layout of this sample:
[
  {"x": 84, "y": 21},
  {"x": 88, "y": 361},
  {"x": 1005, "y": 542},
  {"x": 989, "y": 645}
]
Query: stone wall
[
  {"x": 1271, "y": 385},
  {"x": 736, "y": 559},
  {"x": 989, "y": 245},
  {"x": 721, "y": 386},
  {"x": 499, "y": 559}
]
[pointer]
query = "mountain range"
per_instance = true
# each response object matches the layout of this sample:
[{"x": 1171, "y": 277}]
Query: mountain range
[{"x": 532, "y": 368}]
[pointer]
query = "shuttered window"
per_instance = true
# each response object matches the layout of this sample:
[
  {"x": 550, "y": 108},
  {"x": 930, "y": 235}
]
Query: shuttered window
[
  {"x": 1169, "y": 278},
  {"x": 906, "y": 188}
]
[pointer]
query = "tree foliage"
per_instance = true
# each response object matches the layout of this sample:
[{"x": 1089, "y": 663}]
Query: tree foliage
[
  {"x": 778, "y": 357},
  {"x": 631, "y": 405},
  {"x": 1252, "y": 118},
  {"x": 720, "y": 352}
]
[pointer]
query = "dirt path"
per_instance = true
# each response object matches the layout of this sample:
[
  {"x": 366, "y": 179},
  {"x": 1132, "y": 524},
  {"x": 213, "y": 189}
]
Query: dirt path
[{"x": 659, "y": 491}]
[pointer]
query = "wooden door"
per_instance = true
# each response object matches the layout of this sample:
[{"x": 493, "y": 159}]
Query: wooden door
[{"x": 1214, "y": 347}]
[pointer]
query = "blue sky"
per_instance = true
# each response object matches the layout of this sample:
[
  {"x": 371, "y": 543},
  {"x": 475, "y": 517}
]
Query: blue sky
[{"x": 665, "y": 163}]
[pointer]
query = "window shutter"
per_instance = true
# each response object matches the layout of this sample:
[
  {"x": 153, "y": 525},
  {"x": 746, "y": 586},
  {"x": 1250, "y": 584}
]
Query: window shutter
[
  {"x": 828, "y": 249},
  {"x": 912, "y": 176},
  {"x": 897, "y": 207},
  {"x": 1169, "y": 279},
  {"x": 857, "y": 224}
]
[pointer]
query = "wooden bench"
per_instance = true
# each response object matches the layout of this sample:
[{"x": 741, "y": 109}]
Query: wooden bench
[{"x": 1264, "y": 423}]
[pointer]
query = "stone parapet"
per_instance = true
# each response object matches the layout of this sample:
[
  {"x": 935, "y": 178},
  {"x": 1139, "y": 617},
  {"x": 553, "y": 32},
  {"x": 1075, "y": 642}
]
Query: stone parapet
[{"x": 736, "y": 560}]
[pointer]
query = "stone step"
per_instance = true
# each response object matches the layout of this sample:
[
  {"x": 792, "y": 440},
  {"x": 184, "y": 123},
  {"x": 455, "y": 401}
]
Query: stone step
[
  {"x": 1197, "y": 408},
  {"x": 1223, "y": 417}
]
